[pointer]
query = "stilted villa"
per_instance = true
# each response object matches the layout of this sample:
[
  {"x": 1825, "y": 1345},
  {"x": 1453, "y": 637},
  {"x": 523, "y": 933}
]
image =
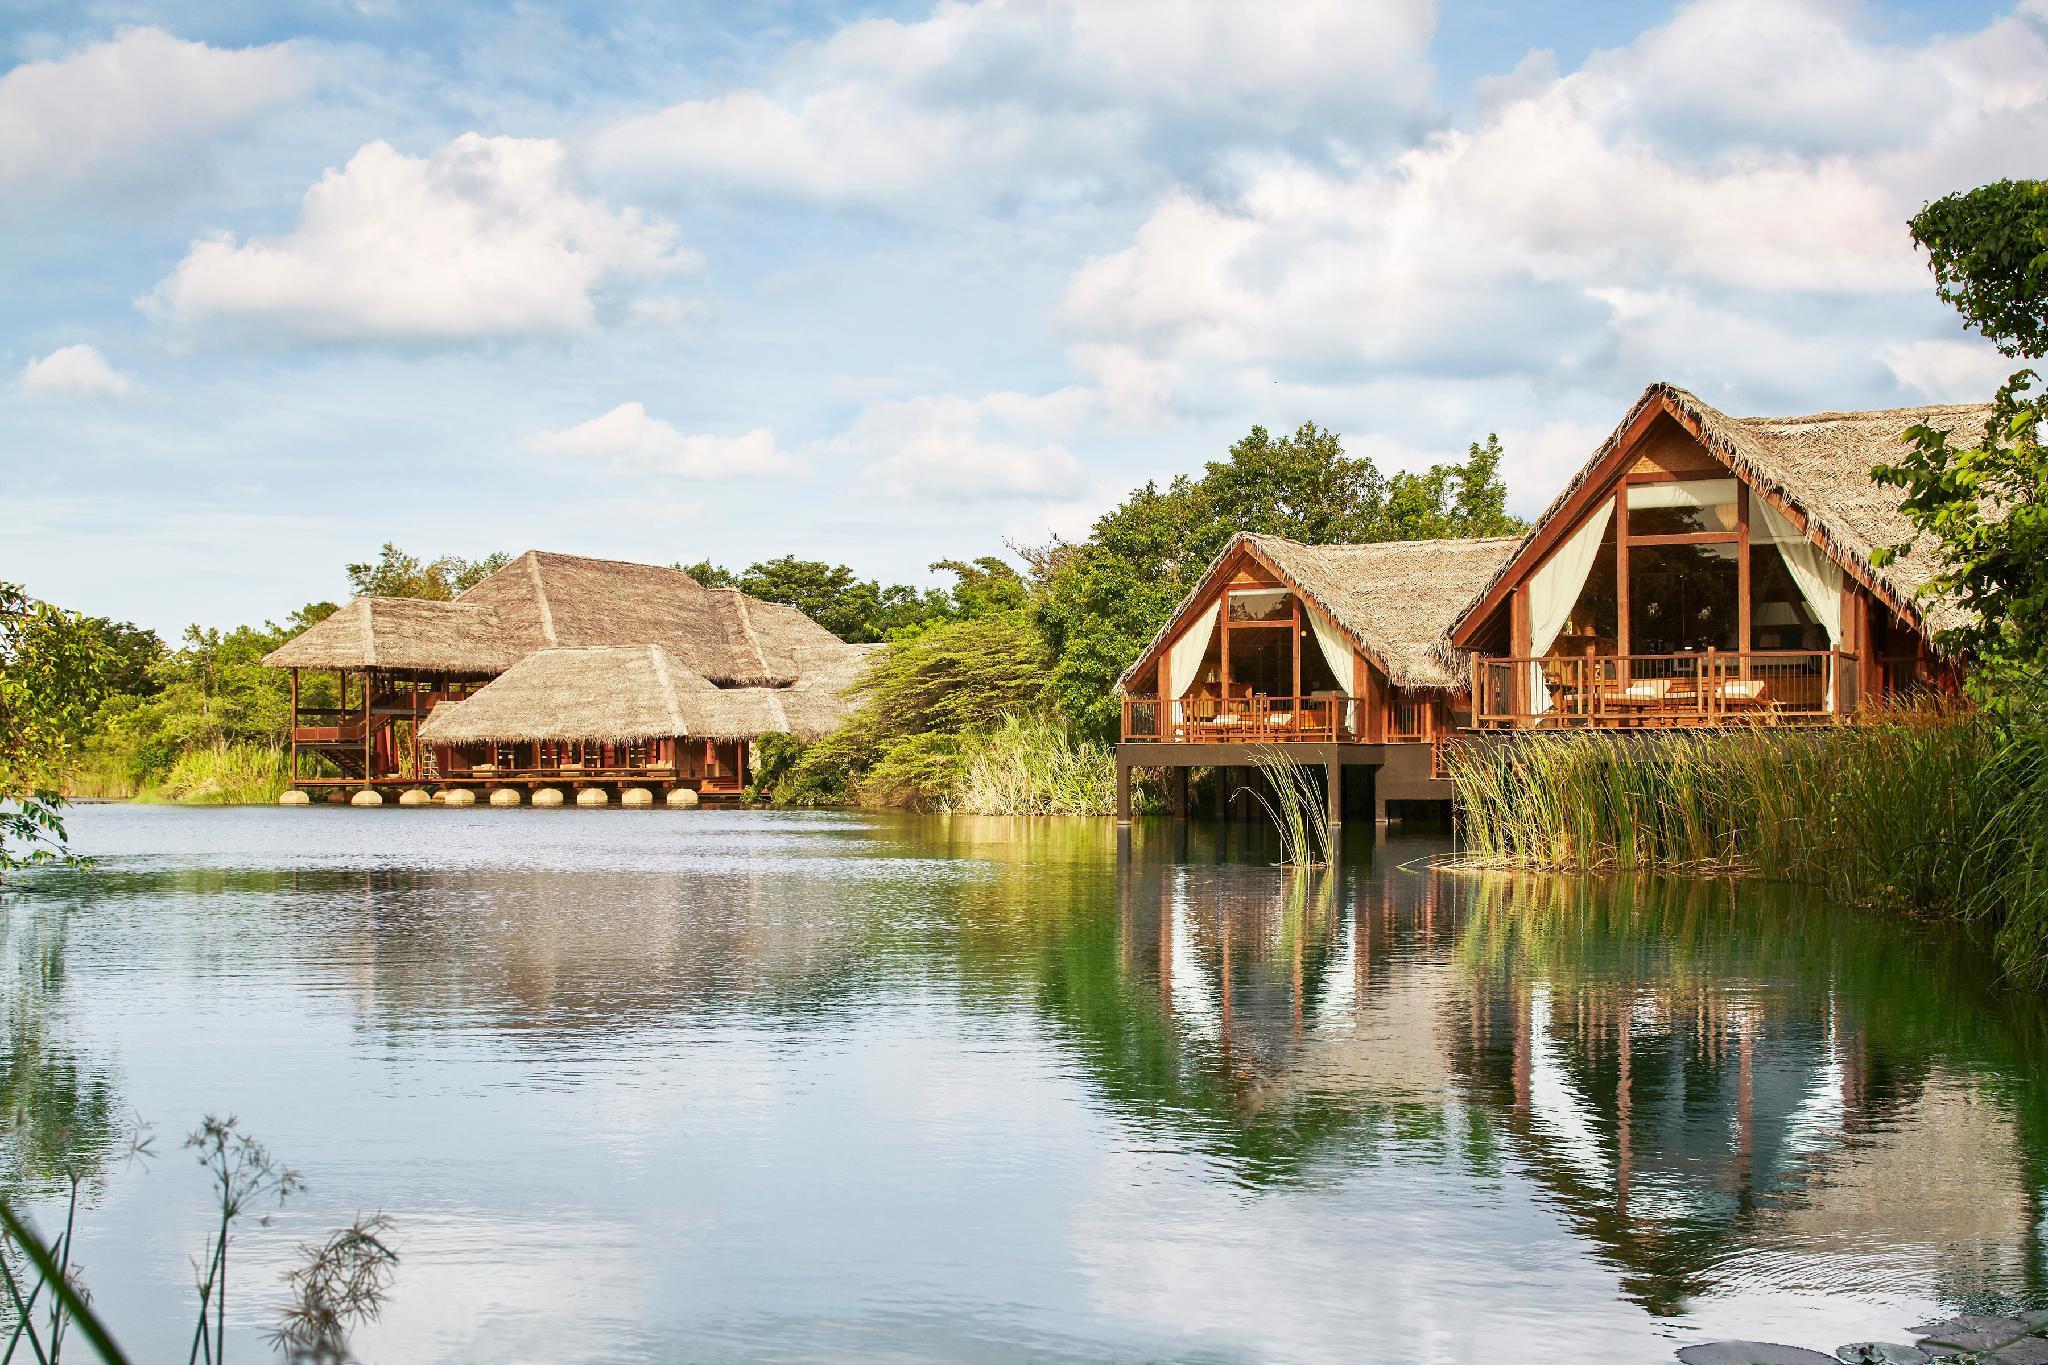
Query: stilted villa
[
  {"x": 562, "y": 673},
  {"x": 1700, "y": 570}
]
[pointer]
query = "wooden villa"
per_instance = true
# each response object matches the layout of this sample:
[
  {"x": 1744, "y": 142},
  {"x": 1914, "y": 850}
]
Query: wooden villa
[
  {"x": 1699, "y": 570},
  {"x": 1334, "y": 650},
  {"x": 565, "y": 673}
]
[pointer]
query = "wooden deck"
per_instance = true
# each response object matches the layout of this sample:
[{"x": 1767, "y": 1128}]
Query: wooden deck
[{"x": 1664, "y": 691}]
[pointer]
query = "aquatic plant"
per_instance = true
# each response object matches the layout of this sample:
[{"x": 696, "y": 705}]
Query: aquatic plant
[
  {"x": 1033, "y": 765},
  {"x": 1296, "y": 806},
  {"x": 343, "y": 1282},
  {"x": 1922, "y": 811}
]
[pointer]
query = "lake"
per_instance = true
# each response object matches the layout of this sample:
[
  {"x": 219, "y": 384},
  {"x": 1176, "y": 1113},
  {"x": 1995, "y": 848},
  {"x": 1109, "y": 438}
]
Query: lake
[{"x": 641, "y": 1086}]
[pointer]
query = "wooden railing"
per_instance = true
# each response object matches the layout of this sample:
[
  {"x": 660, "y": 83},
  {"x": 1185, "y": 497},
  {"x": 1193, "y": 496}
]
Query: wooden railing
[
  {"x": 1662, "y": 691},
  {"x": 1238, "y": 720}
]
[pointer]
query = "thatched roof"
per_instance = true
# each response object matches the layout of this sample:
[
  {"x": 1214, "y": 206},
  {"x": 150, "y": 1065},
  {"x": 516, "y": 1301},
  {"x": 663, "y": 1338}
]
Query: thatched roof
[
  {"x": 402, "y": 633},
  {"x": 1820, "y": 465},
  {"x": 1396, "y": 599},
  {"x": 552, "y": 600},
  {"x": 543, "y": 601},
  {"x": 609, "y": 692}
]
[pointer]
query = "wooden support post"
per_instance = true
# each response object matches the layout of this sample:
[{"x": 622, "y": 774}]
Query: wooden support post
[
  {"x": 1333, "y": 782},
  {"x": 1123, "y": 792},
  {"x": 1177, "y": 792},
  {"x": 295, "y": 727}
]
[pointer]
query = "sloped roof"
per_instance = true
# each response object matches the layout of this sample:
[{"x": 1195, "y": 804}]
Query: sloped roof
[
  {"x": 1395, "y": 599},
  {"x": 543, "y": 600},
  {"x": 402, "y": 633},
  {"x": 613, "y": 692},
  {"x": 1818, "y": 464}
]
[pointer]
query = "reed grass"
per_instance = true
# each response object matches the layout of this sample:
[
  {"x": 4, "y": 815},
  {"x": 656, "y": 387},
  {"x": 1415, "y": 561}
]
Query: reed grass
[
  {"x": 1925, "y": 812},
  {"x": 230, "y": 775},
  {"x": 1033, "y": 765},
  {"x": 1296, "y": 806}
]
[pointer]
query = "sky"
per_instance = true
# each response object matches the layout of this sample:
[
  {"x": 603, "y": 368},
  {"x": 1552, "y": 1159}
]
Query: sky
[{"x": 282, "y": 280}]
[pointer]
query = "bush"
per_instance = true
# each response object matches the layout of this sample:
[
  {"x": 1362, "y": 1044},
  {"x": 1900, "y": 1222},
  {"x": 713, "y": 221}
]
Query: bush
[{"x": 1033, "y": 765}]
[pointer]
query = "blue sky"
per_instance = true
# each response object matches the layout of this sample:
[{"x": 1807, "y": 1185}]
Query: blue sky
[{"x": 888, "y": 284}]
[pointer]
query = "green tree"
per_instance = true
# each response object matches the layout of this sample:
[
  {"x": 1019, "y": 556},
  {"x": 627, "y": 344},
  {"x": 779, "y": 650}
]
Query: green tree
[
  {"x": 865, "y": 611},
  {"x": 1984, "y": 507},
  {"x": 398, "y": 574},
  {"x": 55, "y": 668}
]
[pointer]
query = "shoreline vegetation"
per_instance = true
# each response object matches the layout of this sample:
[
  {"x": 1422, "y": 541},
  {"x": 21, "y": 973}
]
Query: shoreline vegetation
[{"x": 1930, "y": 813}]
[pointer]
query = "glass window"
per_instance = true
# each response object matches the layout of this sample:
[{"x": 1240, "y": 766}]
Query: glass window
[
  {"x": 1778, "y": 615},
  {"x": 1261, "y": 604},
  {"x": 1261, "y": 663},
  {"x": 1682, "y": 508},
  {"x": 1681, "y": 598}
]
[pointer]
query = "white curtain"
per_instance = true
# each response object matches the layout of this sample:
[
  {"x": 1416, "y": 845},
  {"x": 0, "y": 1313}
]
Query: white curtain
[
  {"x": 1554, "y": 590},
  {"x": 1337, "y": 653},
  {"x": 1819, "y": 580},
  {"x": 1184, "y": 657}
]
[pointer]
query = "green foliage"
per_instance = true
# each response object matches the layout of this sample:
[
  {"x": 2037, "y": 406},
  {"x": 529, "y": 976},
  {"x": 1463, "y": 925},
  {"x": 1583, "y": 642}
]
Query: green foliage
[
  {"x": 398, "y": 574},
  {"x": 1296, "y": 804},
  {"x": 1100, "y": 601},
  {"x": 1988, "y": 248},
  {"x": 1033, "y": 765},
  {"x": 56, "y": 668},
  {"x": 1925, "y": 813},
  {"x": 1985, "y": 508},
  {"x": 901, "y": 746},
  {"x": 864, "y": 611}
]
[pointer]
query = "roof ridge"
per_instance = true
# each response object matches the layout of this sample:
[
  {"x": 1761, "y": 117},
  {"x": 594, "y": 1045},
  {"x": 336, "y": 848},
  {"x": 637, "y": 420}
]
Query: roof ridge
[
  {"x": 369, "y": 640},
  {"x": 540, "y": 597}
]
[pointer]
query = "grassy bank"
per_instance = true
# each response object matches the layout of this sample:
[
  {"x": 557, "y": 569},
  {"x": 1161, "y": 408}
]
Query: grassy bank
[
  {"x": 224, "y": 775},
  {"x": 1942, "y": 815},
  {"x": 1033, "y": 766}
]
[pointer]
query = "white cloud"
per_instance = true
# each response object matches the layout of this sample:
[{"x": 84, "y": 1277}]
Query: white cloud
[
  {"x": 952, "y": 449},
  {"x": 120, "y": 110},
  {"x": 1631, "y": 220},
  {"x": 77, "y": 371},
  {"x": 631, "y": 442},
  {"x": 1949, "y": 371},
  {"x": 486, "y": 238},
  {"x": 1057, "y": 98}
]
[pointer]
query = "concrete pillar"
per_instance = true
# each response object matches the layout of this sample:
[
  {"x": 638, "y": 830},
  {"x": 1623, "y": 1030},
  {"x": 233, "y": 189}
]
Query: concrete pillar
[
  {"x": 366, "y": 797},
  {"x": 547, "y": 796},
  {"x": 506, "y": 796},
  {"x": 592, "y": 796},
  {"x": 1333, "y": 781},
  {"x": 1177, "y": 792},
  {"x": 636, "y": 796},
  {"x": 295, "y": 798},
  {"x": 415, "y": 796},
  {"x": 1123, "y": 792},
  {"x": 682, "y": 798},
  {"x": 458, "y": 796}
]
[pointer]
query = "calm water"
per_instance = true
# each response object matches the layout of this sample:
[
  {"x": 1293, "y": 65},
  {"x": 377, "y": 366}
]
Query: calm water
[{"x": 680, "y": 1086}]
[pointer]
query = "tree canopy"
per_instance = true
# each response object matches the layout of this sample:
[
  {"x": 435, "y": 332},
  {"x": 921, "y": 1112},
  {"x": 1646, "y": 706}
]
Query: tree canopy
[
  {"x": 398, "y": 574},
  {"x": 1985, "y": 505},
  {"x": 864, "y": 611}
]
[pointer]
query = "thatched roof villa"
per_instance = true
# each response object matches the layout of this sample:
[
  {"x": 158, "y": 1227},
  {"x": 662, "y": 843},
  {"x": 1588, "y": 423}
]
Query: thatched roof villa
[
  {"x": 564, "y": 672},
  {"x": 1699, "y": 569}
]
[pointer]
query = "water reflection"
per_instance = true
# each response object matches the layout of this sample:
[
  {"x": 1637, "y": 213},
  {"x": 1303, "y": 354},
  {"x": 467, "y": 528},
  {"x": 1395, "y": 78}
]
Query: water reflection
[{"x": 1744, "y": 1112}]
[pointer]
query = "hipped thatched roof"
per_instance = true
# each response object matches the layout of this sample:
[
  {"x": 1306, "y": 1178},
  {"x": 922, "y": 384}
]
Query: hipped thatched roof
[
  {"x": 1819, "y": 465},
  {"x": 1395, "y": 599},
  {"x": 402, "y": 633},
  {"x": 610, "y": 692},
  {"x": 543, "y": 601}
]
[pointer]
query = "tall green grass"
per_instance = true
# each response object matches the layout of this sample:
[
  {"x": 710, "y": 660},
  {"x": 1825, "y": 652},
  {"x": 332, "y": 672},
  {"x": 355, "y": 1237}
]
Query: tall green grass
[
  {"x": 1938, "y": 814},
  {"x": 1033, "y": 765},
  {"x": 231, "y": 775}
]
